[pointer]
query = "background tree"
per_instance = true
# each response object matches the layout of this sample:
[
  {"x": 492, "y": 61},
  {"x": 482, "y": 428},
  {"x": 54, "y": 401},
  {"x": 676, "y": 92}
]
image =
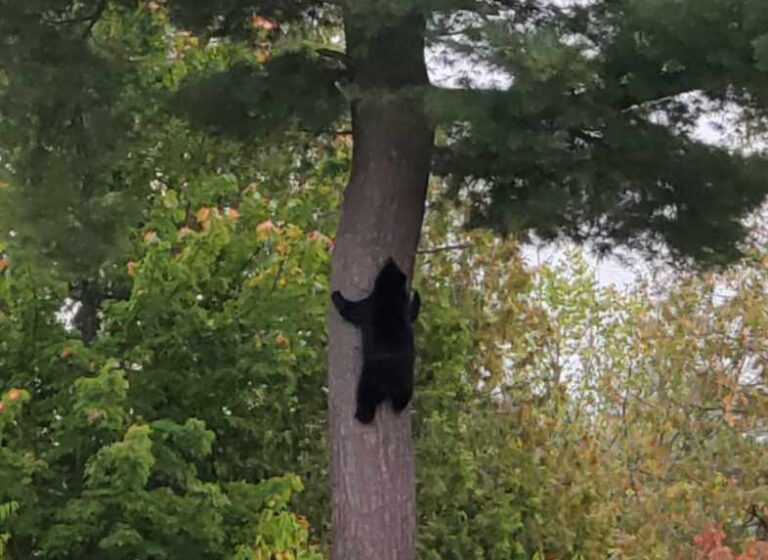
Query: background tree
[
  {"x": 553, "y": 418},
  {"x": 588, "y": 142}
]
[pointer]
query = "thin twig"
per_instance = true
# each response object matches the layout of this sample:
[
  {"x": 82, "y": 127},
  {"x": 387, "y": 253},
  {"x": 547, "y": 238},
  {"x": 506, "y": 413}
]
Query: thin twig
[
  {"x": 445, "y": 248},
  {"x": 95, "y": 17},
  {"x": 278, "y": 274},
  {"x": 335, "y": 55},
  {"x": 652, "y": 102}
]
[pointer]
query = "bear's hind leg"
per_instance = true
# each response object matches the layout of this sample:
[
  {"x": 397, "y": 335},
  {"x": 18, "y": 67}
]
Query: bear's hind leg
[
  {"x": 401, "y": 389},
  {"x": 370, "y": 395},
  {"x": 400, "y": 400}
]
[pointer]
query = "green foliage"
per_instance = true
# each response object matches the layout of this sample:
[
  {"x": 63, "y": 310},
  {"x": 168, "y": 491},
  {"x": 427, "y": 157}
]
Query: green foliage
[
  {"x": 233, "y": 17},
  {"x": 552, "y": 419},
  {"x": 294, "y": 90},
  {"x": 591, "y": 141},
  {"x": 89, "y": 97},
  {"x": 557, "y": 419},
  {"x": 279, "y": 533},
  {"x": 170, "y": 435},
  {"x": 6, "y": 510},
  {"x": 494, "y": 442},
  {"x": 68, "y": 125}
]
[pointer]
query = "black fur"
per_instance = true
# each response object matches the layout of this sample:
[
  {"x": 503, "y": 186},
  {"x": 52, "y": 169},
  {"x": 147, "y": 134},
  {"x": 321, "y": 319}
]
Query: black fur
[{"x": 385, "y": 318}]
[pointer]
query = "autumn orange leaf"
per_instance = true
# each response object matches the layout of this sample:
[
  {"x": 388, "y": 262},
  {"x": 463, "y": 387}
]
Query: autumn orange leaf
[
  {"x": 184, "y": 232},
  {"x": 710, "y": 540},
  {"x": 720, "y": 553},
  {"x": 755, "y": 549},
  {"x": 203, "y": 214},
  {"x": 262, "y": 55},
  {"x": 3, "y": 264},
  {"x": 263, "y": 23},
  {"x": 265, "y": 227}
]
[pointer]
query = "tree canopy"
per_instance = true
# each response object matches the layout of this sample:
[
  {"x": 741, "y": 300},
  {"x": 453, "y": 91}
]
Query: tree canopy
[{"x": 590, "y": 140}]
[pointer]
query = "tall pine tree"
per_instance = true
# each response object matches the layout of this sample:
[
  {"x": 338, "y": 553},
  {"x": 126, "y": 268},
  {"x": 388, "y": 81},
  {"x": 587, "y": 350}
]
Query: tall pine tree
[{"x": 590, "y": 140}]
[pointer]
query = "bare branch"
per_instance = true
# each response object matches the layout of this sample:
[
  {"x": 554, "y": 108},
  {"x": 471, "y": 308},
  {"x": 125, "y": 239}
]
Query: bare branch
[
  {"x": 335, "y": 55},
  {"x": 456, "y": 247}
]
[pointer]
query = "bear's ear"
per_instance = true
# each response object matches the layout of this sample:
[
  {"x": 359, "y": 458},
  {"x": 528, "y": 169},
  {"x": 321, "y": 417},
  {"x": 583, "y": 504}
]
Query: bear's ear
[{"x": 391, "y": 265}]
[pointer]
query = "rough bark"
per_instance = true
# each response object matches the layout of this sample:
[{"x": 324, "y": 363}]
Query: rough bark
[{"x": 372, "y": 467}]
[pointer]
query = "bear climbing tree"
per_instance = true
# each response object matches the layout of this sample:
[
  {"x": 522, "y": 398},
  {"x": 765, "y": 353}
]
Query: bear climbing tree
[{"x": 385, "y": 319}]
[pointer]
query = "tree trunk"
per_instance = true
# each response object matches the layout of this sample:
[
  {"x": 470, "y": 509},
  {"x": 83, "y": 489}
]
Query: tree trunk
[{"x": 372, "y": 467}]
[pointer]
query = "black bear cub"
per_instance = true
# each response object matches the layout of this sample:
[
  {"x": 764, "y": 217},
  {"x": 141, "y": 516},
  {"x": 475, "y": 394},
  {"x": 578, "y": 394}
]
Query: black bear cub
[{"x": 385, "y": 318}]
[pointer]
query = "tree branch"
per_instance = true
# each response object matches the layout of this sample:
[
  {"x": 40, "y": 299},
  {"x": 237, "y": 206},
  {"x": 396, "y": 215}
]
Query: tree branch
[
  {"x": 95, "y": 17},
  {"x": 456, "y": 247},
  {"x": 335, "y": 55},
  {"x": 652, "y": 102}
]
